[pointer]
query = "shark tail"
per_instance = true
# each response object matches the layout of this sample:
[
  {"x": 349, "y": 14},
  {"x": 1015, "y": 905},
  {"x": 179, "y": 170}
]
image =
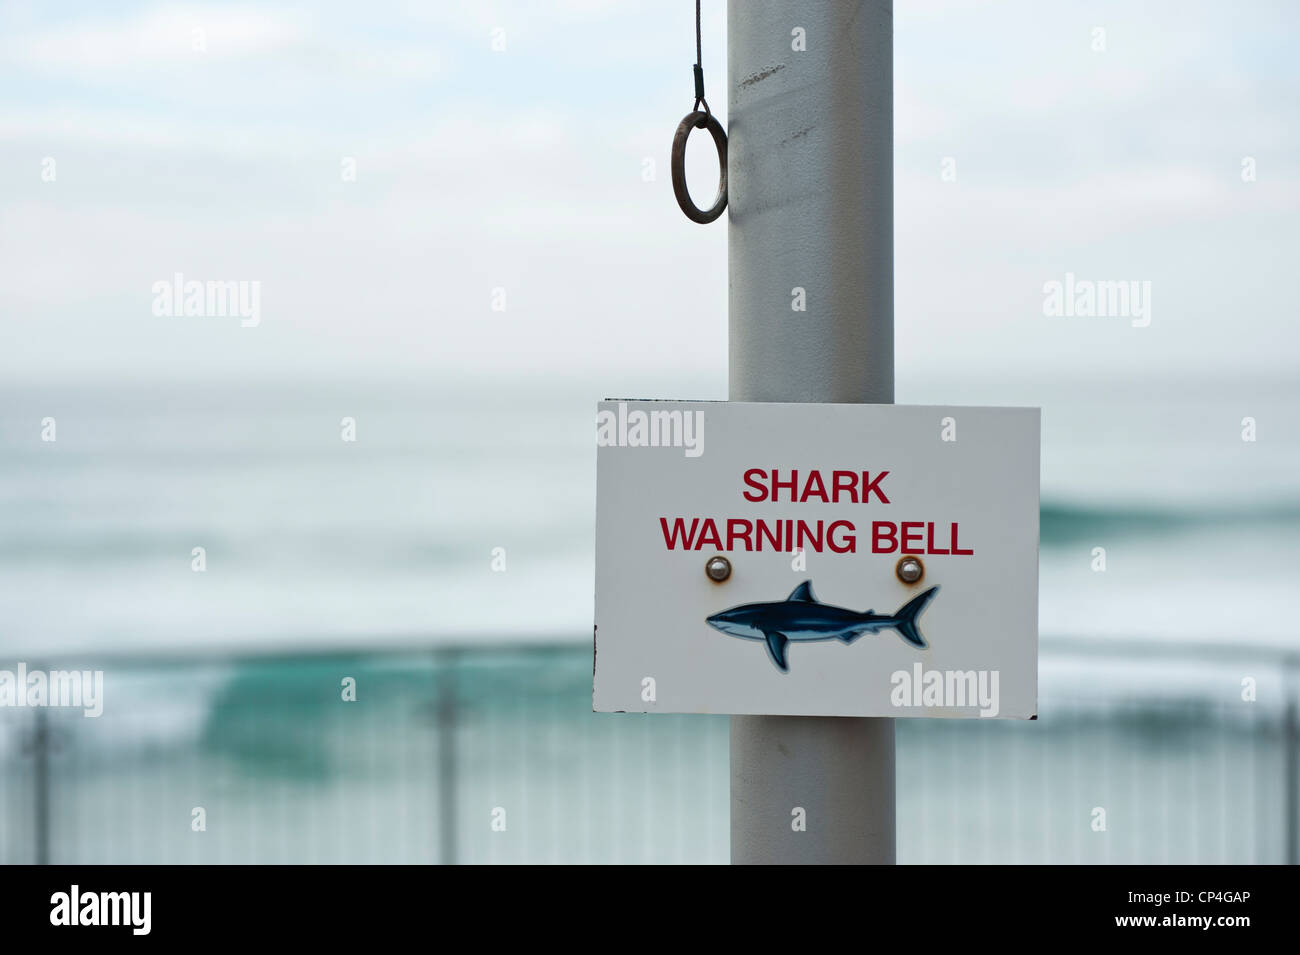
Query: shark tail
[{"x": 905, "y": 619}]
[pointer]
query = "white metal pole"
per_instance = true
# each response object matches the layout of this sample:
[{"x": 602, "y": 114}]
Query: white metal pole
[{"x": 811, "y": 222}]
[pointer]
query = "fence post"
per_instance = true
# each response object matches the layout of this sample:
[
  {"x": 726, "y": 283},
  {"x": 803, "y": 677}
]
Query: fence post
[
  {"x": 447, "y": 718},
  {"x": 41, "y": 783}
]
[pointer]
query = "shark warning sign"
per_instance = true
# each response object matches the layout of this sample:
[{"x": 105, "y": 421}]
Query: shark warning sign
[{"x": 812, "y": 559}]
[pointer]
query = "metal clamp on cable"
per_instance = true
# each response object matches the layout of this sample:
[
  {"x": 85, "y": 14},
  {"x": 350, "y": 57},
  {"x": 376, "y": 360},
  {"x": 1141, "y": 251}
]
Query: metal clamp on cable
[{"x": 699, "y": 119}]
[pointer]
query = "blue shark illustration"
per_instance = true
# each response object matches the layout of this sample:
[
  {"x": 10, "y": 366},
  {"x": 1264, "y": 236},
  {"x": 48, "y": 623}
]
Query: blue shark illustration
[{"x": 802, "y": 617}]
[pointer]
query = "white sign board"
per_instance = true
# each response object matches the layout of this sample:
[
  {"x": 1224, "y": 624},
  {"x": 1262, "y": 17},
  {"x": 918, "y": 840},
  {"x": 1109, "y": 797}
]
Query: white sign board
[{"x": 814, "y": 506}]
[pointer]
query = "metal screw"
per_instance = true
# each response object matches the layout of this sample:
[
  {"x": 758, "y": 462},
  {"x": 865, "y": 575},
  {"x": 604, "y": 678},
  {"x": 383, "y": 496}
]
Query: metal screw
[
  {"x": 910, "y": 570},
  {"x": 718, "y": 568}
]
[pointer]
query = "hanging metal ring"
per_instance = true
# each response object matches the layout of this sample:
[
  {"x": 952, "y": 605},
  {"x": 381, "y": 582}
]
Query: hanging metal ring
[{"x": 696, "y": 120}]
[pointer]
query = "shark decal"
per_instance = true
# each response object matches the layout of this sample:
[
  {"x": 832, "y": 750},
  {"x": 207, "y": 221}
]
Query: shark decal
[{"x": 802, "y": 617}]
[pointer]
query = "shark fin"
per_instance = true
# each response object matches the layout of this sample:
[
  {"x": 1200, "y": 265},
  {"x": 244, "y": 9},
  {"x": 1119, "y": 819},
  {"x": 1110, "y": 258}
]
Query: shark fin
[
  {"x": 776, "y": 644},
  {"x": 905, "y": 620},
  {"x": 803, "y": 592}
]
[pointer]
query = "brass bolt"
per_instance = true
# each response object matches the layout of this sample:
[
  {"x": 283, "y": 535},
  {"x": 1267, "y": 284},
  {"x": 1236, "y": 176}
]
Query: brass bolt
[
  {"x": 718, "y": 568},
  {"x": 910, "y": 570}
]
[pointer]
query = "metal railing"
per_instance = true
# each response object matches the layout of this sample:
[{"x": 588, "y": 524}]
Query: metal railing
[{"x": 1145, "y": 753}]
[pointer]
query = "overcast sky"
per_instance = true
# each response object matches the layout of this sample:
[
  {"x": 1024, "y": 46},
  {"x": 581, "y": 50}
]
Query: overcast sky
[{"x": 522, "y": 169}]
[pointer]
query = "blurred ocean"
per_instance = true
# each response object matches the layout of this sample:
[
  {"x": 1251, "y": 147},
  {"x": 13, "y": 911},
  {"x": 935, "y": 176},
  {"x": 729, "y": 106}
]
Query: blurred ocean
[
  {"x": 373, "y": 558},
  {"x": 316, "y": 542}
]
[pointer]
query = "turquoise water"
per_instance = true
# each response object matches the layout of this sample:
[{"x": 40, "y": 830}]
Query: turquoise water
[{"x": 439, "y": 745}]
